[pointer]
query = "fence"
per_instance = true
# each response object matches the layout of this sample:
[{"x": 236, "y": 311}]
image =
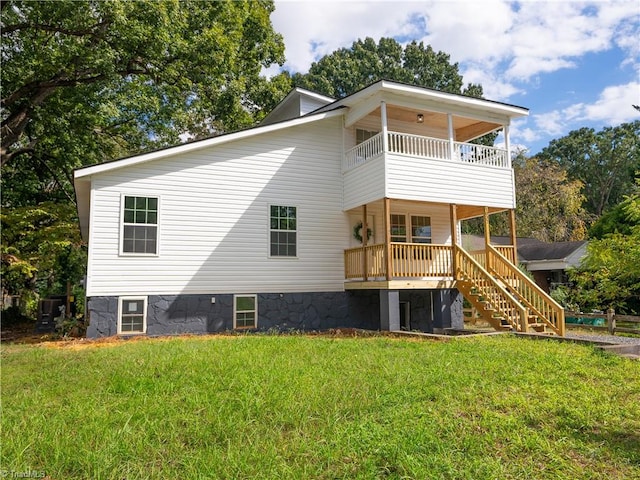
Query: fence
[{"x": 613, "y": 322}]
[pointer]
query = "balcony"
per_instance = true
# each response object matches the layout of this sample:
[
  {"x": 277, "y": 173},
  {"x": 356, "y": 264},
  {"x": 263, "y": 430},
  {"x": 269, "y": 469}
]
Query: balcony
[
  {"x": 425, "y": 147},
  {"x": 426, "y": 169}
]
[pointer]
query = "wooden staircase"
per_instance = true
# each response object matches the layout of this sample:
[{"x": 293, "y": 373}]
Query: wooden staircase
[{"x": 504, "y": 296}]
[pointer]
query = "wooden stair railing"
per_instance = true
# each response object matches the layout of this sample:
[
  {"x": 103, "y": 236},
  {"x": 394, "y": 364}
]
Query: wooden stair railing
[
  {"x": 492, "y": 300},
  {"x": 545, "y": 309}
]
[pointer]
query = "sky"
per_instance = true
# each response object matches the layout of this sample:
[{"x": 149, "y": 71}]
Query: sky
[{"x": 572, "y": 64}]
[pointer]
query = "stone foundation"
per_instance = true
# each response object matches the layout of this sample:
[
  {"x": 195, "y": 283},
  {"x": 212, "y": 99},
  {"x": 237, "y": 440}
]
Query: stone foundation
[{"x": 175, "y": 314}]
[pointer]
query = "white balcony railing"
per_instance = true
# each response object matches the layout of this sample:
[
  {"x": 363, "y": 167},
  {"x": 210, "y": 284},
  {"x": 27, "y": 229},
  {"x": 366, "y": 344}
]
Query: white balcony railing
[
  {"x": 418, "y": 146},
  {"x": 367, "y": 150},
  {"x": 425, "y": 147}
]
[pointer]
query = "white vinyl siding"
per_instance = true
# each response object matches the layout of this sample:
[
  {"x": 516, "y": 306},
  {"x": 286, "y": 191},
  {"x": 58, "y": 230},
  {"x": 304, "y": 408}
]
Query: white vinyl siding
[
  {"x": 214, "y": 222},
  {"x": 365, "y": 183},
  {"x": 438, "y": 215},
  {"x": 449, "y": 182},
  {"x": 420, "y": 179}
]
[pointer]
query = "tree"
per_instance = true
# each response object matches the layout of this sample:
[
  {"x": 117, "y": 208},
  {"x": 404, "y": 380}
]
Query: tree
[
  {"x": 88, "y": 81},
  {"x": 347, "y": 70},
  {"x": 616, "y": 220},
  {"x": 549, "y": 204},
  {"x": 41, "y": 249},
  {"x": 609, "y": 275},
  {"x": 603, "y": 161}
]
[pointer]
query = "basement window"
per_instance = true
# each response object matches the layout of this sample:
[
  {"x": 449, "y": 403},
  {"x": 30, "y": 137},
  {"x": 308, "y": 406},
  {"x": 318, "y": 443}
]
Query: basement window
[
  {"x": 132, "y": 315},
  {"x": 245, "y": 311}
]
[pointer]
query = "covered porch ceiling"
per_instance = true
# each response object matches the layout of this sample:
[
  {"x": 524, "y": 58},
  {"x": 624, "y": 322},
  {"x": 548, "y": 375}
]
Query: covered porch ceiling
[
  {"x": 464, "y": 212},
  {"x": 465, "y": 128}
]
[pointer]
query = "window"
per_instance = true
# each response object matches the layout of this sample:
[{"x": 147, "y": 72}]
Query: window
[
  {"x": 283, "y": 231},
  {"x": 140, "y": 225},
  {"x": 420, "y": 229},
  {"x": 245, "y": 311},
  {"x": 364, "y": 135},
  {"x": 398, "y": 228},
  {"x": 132, "y": 315}
]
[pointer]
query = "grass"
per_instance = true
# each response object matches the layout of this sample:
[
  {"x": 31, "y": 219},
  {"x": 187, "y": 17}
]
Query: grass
[{"x": 320, "y": 407}]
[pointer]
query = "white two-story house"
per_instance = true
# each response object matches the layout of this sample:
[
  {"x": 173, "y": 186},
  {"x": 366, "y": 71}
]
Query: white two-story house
[{"x": 331, "y": 213}]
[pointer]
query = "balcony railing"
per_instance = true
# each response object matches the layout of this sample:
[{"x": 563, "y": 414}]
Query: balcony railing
[
  {"x": 408, "y": 260},
  {"x": 425, "y": 147},
  {"x": 359, "y": 154}
]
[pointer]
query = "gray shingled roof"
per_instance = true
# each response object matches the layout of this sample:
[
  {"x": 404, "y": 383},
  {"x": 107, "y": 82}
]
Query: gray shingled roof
[{"x": 549, "y": 251}]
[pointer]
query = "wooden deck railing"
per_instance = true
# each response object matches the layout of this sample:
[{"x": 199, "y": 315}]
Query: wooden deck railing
[
  {"x": 408, "y": 260},
  {"x": 526, "y": 291},
  {"x": 420, "y": 260},
  {"x": 425, "y": 147},
  {"x": 484, "y": 285},
  {"x": 508, "y": 252}
]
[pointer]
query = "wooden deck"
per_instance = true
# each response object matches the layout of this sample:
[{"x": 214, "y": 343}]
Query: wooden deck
[{"x": 489, "y": 279}]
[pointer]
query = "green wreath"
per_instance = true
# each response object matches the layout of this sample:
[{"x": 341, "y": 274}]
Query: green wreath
[{"x": 357, "y": 232}]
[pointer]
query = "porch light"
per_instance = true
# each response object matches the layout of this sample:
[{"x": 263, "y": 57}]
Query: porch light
[{"x": 420, "y": 118}]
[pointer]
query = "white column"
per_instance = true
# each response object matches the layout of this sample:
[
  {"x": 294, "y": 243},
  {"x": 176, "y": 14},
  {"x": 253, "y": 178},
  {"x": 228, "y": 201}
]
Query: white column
[
  {"x": 507, "y": 144},
  {"x": 385, "y": 137},
  {"x": 451, "y": 139}
]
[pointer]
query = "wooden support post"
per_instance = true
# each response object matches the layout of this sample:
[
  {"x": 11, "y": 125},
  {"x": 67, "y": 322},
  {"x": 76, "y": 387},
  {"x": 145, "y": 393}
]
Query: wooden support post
[
  {"x": 67, "y": 311},
  {"x": 487, "y": 239},
  {"x": 487, "y": 231},
  {"x": 611, "y": 321},
  {"x": 453, "y": 208},
  {"x": 387, "y": 237},
  {"x": 365, "y": 239},
  {"x": 512, "y": 229}
]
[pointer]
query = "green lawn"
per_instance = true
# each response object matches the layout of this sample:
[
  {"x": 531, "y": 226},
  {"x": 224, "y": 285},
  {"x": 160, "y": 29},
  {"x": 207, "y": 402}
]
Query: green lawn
[{"x": 319, "y": 407}]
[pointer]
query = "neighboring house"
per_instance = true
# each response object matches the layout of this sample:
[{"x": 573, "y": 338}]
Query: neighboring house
[
  {"x": 261, "y": 228},
  {"x": 548, "y": 262}
]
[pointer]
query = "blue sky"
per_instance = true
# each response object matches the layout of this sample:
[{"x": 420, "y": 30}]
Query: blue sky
[{"x": 573, "y": 64}]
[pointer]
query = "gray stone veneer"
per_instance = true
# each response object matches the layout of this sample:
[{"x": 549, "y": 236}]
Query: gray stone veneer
[{"x": 173, "y": 314}]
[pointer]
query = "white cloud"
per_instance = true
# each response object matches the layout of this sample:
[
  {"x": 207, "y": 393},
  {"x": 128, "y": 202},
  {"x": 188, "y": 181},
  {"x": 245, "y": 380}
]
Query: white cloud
[
  {"x": 613, "y": 107},
  {"x": 509, "y": 47},
  {"x": 495, "y": 39},
  {"x": 312, "y": 29}
]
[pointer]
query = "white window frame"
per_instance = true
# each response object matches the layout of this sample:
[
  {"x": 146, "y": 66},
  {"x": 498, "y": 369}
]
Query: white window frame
[
  {"x": 296, "y": 231},
  {"x": 235, "y": 310},
  {"x": 121, "y": 302},
  {"x": 411, "y": 235},
  {"x": 121, "y": 251},
  {"x": 408, "y": 224},
  {"x": 407, "y": 227}
]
